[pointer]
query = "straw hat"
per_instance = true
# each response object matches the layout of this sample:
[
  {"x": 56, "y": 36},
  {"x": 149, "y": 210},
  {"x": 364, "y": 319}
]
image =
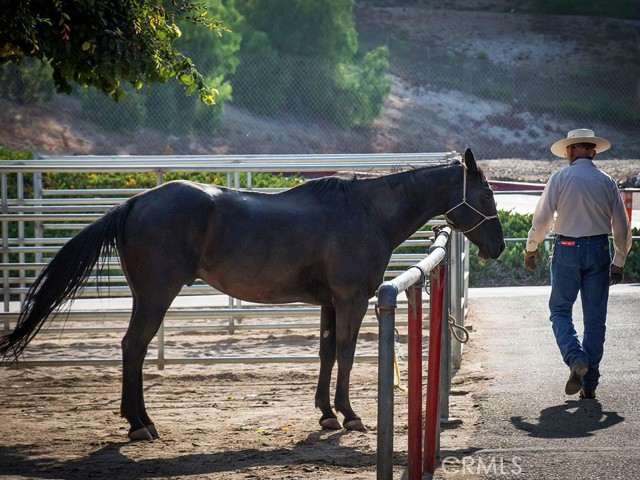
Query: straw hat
[{"x": 581, "y": 135}]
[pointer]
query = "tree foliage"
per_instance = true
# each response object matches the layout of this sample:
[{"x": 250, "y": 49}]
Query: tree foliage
[
  {"x": 104, "y": 44},
  {"x": 319, "y": 29},
  {"x": 277, "y": 57},
  {"x": 164, "y": 106},
  {"x": 309, "y": 51}
]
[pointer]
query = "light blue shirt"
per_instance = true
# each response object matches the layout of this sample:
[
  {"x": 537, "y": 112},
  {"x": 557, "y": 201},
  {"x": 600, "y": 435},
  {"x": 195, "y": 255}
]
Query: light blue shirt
[{"x": 581, "y": 201}]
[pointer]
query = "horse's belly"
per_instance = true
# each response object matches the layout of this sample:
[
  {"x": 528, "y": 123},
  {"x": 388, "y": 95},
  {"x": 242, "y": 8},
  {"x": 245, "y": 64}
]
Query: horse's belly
[{"x": 271, "y": 289}]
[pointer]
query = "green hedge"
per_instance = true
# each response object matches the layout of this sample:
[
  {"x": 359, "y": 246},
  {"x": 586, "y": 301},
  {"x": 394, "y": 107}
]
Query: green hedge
[
  {"x": 148, "y": 180},
  {"x": 508, "y": 270},
  {"x": 8, "y": 154}
]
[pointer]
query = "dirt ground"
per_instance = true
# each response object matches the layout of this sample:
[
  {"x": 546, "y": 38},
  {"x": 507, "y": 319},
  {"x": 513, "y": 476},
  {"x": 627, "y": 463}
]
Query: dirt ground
[{"x": 251, "y": 421}]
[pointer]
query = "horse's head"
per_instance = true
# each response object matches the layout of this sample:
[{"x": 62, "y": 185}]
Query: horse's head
[{"x": 474, "y": 212}]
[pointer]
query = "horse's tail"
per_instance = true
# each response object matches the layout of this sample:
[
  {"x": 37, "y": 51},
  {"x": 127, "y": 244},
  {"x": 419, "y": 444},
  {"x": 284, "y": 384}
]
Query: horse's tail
[{"x": 63, "y": 278}]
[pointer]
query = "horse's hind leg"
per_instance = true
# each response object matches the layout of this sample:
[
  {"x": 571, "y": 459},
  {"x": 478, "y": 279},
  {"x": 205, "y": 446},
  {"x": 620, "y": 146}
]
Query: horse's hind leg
[
  {"x": 149, "y": 310},
  {"x": 349, "y": 315},
  {"x": 328, "y": 421}
]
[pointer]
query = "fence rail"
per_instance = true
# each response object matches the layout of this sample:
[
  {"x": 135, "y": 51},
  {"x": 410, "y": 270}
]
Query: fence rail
[{"x": 28, "y": 221}]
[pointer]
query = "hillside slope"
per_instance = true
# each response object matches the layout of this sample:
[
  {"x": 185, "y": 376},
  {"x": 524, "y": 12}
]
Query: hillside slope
[{"x": 420, "y": 115}]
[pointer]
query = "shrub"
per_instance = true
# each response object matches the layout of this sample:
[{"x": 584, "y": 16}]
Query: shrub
[
  {"x": 493, "y": 91},
  {"x": 8, "y": 154},
  {"x": 508, "y": 270},
  {"x": 632, "y": 266}
]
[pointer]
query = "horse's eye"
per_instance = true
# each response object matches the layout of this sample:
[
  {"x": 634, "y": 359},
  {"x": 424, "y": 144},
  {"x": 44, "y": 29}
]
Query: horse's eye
[{"x": 487, "y": 195}]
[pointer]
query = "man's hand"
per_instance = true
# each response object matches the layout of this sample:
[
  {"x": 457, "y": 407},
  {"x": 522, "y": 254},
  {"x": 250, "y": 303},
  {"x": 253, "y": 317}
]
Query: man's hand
[
  {"x": 616, "y": 275},
  {"x": 530, "y": 259}
]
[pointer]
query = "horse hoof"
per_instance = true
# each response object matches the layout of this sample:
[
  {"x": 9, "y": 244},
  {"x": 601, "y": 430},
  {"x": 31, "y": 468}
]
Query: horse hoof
[
  {"x": 140, "y": 434},
  {"x": 151, "y": 428},
  {"x": 330, "y": 424},
  {"x": 355, "y": 424}
]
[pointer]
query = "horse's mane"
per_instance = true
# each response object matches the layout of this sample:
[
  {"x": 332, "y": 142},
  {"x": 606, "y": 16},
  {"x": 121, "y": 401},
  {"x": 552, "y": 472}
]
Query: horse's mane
[
  {"x": 325, "y": 186},
  {"x": 342, "y": 182}
]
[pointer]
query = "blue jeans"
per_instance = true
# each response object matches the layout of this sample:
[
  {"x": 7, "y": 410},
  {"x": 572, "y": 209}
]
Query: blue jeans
[{"x": 580, "y": 265}]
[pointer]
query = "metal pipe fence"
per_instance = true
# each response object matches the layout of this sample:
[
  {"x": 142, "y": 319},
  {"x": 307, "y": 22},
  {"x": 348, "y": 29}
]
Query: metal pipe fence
[
  {"x": 32, "y": 224},
  {"x": 442, "y": 293}
]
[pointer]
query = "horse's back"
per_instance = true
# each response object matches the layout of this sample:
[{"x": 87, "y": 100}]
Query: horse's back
[
  {"x": 232, "y": 239},
  {"x": 177, "y": 194}
]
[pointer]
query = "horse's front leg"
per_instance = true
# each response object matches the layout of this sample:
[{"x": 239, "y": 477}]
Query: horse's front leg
[
  {"x": 328, "y": 420},
  {"x": 349, "y": 316}
]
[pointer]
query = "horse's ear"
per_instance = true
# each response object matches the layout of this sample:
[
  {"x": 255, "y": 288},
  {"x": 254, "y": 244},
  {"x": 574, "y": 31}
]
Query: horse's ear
[{"x": 470, "y": 161}]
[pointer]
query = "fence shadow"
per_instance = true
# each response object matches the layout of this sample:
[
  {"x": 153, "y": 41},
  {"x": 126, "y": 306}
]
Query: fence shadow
[{"x": 110, "y": 462}]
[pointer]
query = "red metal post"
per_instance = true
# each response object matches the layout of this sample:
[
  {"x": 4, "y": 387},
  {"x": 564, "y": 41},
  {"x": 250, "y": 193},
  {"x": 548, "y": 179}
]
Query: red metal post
[
  {"x": 414, "y": 433},
  {"x": 628, "y": 203},
  {"x": 433, "y": 367}
]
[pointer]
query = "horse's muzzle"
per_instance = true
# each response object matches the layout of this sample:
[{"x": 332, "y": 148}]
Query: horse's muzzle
[{"x": 491, "y": 254}]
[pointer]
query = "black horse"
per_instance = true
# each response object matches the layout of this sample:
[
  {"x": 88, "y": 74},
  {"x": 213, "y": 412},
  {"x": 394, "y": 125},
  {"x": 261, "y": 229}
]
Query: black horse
[{"x": 326, "y": 242}]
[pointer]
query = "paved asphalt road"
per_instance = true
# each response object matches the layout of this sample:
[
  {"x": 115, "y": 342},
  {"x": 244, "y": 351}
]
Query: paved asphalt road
[{"x": 528, "y": 427}]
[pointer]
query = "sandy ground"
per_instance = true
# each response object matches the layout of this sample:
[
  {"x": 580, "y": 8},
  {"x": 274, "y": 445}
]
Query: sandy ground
[{"x": 251, "y": 421}]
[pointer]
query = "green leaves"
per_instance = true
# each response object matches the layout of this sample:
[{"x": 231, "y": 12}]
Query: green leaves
[
  {"x": 187, "y": 79},
  {"x": 104, "y": 44}
]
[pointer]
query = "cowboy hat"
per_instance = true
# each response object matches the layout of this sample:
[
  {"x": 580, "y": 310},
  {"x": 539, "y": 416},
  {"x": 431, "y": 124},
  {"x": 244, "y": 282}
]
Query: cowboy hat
[{"x": 581, "y": 135}]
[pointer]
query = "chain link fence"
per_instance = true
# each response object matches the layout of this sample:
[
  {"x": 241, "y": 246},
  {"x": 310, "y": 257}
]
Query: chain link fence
[
  {"x": 522, "y": 109},
  {"x": 439, "y": 101}
]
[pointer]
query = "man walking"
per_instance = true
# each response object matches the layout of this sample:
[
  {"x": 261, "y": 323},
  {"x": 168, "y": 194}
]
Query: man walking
[{"x": 583, "y": 206}]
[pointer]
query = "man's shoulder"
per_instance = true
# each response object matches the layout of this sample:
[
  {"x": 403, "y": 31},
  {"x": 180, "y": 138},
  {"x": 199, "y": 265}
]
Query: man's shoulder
[
  {"x": 604, "y": 175},
  {"x": 562, "y": 173},
  {"x": 586, "y": 170}
]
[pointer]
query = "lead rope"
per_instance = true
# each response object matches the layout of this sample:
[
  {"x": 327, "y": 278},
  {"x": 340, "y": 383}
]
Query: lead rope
[
  {"x": 396, "y": 369},
  {"x": 396, "y": 346},
  {"x": 464, "y": 336}
]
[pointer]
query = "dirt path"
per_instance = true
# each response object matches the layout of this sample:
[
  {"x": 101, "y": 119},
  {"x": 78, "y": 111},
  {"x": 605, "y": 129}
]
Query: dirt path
[{"x": 215, "y": 422}]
